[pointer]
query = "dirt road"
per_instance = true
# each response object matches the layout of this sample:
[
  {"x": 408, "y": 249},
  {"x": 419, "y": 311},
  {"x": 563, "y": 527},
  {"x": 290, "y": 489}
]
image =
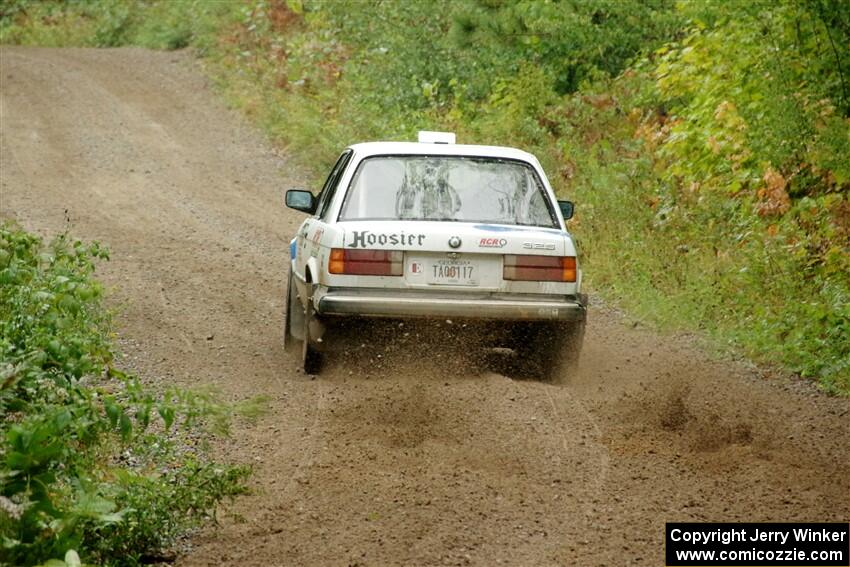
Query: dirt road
[{"x": 404, "y": 453}]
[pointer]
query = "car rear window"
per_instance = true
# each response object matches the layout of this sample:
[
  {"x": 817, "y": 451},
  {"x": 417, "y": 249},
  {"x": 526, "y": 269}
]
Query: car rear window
[{"x": 447, "y": 188}]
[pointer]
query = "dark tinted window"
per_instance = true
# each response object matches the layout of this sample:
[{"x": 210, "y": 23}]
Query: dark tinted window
[
  {"x": 447, "y": 188},
  {"x": 331, "y": 183}
]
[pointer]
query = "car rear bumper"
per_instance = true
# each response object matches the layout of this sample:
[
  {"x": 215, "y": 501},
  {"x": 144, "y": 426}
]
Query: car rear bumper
[{"x": 446, "y": 305}]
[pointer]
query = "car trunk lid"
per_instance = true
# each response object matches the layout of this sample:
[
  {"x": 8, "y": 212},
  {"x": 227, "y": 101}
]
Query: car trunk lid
[{"x": 453, "y": 255}]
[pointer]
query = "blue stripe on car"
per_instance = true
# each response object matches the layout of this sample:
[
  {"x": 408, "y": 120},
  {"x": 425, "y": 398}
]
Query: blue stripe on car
[{"x": 498, "y": 228}]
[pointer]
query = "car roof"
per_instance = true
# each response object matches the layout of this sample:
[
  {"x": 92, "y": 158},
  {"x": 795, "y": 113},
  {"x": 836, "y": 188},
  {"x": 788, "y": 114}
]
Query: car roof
[{"x": 418, "y": 148}]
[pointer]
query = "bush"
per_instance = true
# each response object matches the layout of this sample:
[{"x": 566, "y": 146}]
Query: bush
[{"x": 90, "y": 461}]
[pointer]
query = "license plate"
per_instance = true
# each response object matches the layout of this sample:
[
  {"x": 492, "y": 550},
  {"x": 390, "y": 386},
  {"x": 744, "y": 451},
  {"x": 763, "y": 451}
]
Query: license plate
[{"x": 453, "y": 272}]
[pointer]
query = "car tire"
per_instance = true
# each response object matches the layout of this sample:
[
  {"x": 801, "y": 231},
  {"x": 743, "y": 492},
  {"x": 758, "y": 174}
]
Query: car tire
[
  {"x": 571, "y": 343},
  {"x": 546, "y": 351},
  {"x": 311, "y": 359}
]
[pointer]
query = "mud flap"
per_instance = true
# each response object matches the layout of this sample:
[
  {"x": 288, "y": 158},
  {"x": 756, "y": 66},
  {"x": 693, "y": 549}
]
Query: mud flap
[
  {"x": 311, "y": 358},
  {"x": 293, "y": 327}
]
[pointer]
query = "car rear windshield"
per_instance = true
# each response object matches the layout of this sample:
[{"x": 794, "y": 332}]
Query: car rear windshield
[{"x": 447, "y": 188}]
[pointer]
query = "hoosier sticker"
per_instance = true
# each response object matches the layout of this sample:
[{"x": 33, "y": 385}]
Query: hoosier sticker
[{"x": 365, "y": 238}]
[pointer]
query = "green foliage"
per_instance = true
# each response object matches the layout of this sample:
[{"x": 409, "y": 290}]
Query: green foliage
[
  {"x": 157, "y": 24},
  {"x": 323, "y": 73},
  {"x": 754, "y": 144},
  {"x": 71, "y": 559},
  {"x": 572, "y": 41},
  {"x": 84, "y": 464},
  {"x": 155, "y": 507}
]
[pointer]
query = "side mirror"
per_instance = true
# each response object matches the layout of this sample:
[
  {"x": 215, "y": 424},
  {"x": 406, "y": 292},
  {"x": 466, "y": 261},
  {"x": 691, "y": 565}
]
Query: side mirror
[
  {"x": 567, "y": 209},
  {"x": 301, "y": 200}
]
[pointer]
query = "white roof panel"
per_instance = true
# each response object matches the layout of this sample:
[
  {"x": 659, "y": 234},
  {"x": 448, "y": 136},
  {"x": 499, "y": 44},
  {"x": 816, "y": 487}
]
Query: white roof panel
[{"x": 413, "y": 148}]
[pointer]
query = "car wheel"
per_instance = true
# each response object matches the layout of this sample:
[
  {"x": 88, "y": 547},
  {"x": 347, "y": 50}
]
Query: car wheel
[
  {"x": 311, "y": 359},
  {"x": 571, "y": 343},
  {"x": 547, "y": 352}
]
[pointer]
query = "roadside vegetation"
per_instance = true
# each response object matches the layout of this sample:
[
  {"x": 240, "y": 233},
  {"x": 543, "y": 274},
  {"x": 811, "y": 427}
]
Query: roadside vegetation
[
  {"x": 706, "y": 144},
  {"x": 94, "y": 467}
]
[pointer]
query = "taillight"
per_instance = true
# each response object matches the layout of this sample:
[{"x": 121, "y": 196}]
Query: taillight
[
  {"x": 539, "y": 268},
  {"x": 366, "y": 262}
]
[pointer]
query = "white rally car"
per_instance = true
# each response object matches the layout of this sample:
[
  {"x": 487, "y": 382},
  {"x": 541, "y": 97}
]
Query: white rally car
[{"x": 438, "y": 230}]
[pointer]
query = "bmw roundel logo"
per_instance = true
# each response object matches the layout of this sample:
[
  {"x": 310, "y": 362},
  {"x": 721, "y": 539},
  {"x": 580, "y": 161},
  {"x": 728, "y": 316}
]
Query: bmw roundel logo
[{"x": 454, "y": 242}]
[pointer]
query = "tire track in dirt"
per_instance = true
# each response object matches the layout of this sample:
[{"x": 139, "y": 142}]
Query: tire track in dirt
[{"x": 409, "y": 450}]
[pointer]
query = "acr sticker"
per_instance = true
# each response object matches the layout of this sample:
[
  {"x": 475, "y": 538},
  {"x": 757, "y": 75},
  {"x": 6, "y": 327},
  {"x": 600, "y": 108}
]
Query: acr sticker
[
  {"x": 364, "y": 238},
  {"x": 492, "y": 243}
]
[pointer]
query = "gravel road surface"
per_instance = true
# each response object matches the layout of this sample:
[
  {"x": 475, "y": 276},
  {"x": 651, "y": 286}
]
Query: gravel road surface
[{"x": 408, "y": 451}]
